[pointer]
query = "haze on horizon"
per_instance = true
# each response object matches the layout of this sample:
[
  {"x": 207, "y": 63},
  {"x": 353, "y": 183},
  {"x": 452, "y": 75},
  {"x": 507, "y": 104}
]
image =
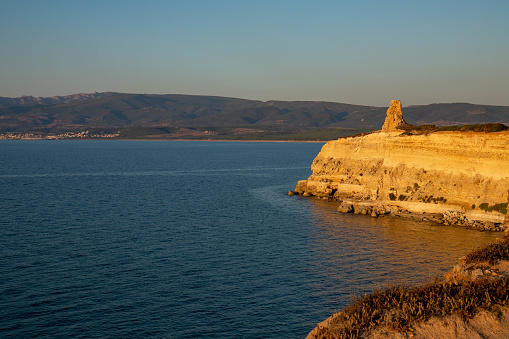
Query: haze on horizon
[{"x": 357, "y": 52}]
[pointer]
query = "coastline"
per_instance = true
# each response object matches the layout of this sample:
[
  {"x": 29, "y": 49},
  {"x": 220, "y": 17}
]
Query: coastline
[{"x": 159, "y": 139}]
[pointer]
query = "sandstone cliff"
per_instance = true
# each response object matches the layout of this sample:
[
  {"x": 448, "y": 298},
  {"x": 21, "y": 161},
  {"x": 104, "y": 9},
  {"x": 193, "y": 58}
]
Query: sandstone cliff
[{"x": 450, "y": 177}]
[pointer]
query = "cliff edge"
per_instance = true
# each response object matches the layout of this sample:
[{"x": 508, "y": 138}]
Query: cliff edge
[
  {"x": 471, "y": 301},
  {"x": 450, "y": 177}
]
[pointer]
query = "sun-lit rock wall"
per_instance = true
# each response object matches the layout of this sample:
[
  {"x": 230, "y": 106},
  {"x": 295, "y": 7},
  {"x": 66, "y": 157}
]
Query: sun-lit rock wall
[{"x": 466, "y": 171}]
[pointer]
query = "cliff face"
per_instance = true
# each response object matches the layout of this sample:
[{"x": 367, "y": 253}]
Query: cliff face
[{"x": 460, "y": 177}]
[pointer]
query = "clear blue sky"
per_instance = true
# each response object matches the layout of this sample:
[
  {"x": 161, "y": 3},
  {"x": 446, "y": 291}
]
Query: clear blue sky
[{"x": 360, "y": 52}]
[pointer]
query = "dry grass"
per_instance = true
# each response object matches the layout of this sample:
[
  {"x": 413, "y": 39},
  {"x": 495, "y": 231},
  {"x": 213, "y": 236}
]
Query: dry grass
[
  {"x": 491, "y": 253},
  {"x": 397, "y": 307}
]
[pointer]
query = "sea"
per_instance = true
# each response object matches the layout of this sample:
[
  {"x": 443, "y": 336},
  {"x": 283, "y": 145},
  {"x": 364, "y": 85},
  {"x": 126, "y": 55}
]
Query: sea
[{"x": 190, "y": 239}]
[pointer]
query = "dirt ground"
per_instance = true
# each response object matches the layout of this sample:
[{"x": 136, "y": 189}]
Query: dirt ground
[{"x": 483, "y": 326}]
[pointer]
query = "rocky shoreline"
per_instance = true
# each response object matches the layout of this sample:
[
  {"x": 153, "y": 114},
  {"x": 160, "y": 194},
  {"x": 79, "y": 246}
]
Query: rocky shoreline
[
  {"x": 447, "y": 177},
  {"x": 450, "y": 217}
]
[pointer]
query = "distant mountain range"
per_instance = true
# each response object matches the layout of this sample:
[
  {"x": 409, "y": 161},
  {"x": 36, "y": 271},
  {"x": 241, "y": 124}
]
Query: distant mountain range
[{"x": 193, "y": 116}]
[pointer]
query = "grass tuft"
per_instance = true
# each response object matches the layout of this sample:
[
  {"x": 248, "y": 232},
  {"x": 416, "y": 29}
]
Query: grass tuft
[
  {"x": 491, "y": 253},
  {"x": 398, "y": 306}
]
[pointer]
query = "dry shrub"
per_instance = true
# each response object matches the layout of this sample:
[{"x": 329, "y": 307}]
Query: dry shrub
[
  {"x": 398, "y": 306},
  {"x": 491, "y": 253}
]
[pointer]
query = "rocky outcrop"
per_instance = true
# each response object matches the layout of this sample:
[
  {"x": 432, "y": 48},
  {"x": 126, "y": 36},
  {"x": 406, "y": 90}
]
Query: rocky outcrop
[
  {"x": 459, "y": 178},
  {"x": 394, "y": 120}
]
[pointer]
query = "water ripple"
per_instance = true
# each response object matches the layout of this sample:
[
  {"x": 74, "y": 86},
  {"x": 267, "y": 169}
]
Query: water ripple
[{"x": 185, "y": 240}]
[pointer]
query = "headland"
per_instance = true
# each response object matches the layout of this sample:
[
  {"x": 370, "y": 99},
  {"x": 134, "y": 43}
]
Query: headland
[{"x": 450, "y": 177}]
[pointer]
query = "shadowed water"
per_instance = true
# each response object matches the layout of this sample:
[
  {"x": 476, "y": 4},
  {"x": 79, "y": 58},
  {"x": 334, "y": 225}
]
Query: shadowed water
[{"x": 189, "y": 239}]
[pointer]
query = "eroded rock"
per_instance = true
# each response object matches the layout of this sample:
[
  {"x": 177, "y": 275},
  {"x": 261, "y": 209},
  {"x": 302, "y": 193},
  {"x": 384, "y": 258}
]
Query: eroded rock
[
  {"x": 345, "y": 207},
  {"x": 394, "y": 119}
]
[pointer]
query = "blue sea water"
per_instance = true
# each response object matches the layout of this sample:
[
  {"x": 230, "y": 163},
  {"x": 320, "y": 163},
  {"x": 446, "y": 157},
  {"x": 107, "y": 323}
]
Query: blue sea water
[{"x": 176, "y": 239}]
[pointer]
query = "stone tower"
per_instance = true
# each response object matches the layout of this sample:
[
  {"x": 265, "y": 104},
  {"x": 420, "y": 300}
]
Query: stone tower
[{"x": 394, "y": 117}]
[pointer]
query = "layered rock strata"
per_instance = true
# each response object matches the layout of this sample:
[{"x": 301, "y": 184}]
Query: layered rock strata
[{"x": 459, "y": 178}]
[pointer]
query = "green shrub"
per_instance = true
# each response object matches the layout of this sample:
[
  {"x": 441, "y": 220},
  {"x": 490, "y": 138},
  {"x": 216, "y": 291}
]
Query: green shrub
[{"x": 501, "y": 208}]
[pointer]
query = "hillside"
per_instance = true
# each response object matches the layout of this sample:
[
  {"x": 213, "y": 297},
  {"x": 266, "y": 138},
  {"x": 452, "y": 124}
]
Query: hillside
[{"x": 191, "y": 116}]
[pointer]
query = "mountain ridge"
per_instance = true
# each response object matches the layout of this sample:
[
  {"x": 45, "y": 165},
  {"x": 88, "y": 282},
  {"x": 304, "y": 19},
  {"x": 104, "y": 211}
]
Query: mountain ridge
[{"x": 221, "y": 115}]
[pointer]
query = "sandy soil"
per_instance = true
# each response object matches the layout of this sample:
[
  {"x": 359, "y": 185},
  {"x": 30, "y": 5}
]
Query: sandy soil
[{"x": 483, "y": 325}]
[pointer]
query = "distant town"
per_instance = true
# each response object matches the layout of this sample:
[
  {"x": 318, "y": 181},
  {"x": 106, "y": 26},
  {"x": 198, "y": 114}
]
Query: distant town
[{"x": 66, "y": 135}]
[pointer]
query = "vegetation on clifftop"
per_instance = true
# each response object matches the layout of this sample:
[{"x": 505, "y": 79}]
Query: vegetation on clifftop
[
  {"x": 491, "y": 253},
  {"x": 485, "y": 128},
  {"x": 399, "y": 306},
  {"x": 476, "y": 128}
]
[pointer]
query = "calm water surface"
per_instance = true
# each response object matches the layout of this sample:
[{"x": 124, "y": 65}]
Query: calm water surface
[{"x": 189, "y": 239}]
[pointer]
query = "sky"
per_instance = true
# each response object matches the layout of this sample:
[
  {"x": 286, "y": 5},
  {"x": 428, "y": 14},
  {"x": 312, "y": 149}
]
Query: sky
[{"x": 357, "y": 52}]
